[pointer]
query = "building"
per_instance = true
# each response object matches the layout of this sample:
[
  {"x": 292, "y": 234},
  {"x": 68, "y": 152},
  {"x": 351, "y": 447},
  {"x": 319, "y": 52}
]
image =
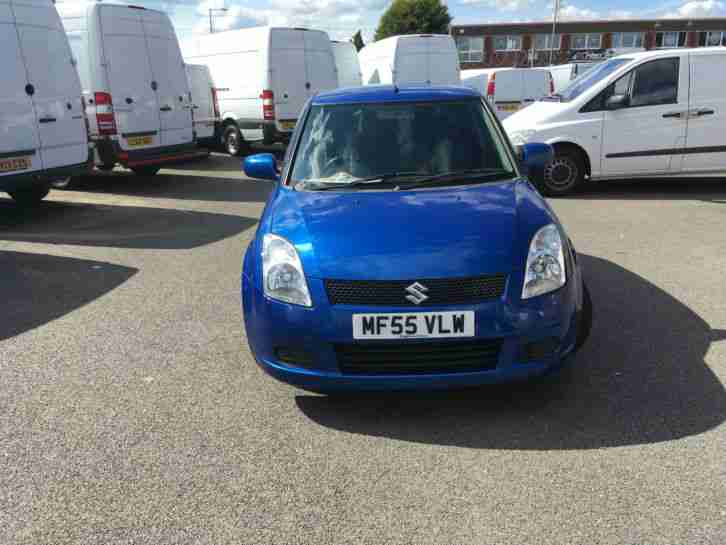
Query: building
[{"x": 531, "y": 44}]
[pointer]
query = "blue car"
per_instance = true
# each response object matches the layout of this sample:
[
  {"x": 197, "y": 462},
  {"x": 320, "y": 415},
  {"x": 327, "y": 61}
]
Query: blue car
[{"x": 402, "y": 247}]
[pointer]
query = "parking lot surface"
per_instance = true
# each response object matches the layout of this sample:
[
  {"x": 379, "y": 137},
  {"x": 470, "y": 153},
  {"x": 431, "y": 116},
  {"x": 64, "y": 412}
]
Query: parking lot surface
[{"x": 131, "y": 411}]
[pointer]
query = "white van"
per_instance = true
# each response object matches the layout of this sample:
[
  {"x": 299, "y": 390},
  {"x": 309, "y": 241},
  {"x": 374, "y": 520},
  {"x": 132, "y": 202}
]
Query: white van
[
  {"x": 562, "y": 75},
  {"x": 264, "y": 77},
  {"x": 347, "y": 64},
  {"x": 654, "y": 114},
  {"x": 43, "y": 136},
  {"x": 509, "y": 89},
  {"x": 134, "y": 84},
  {"x": 428, "y": 59},
  {"x": 205, "y": 109}
]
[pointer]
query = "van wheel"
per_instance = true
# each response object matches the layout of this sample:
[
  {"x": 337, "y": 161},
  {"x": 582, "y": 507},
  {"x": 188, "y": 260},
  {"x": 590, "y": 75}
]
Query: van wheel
[
  {"x": 145, "y": 171},
  {"x": 105, "y": 166},
  {"x": 232, "y": 141},
  {"x": 30, "y": 196},
  {"x": 63, "y": 183},
  {"x": 584, "y": 325},
  {"x": 563, "y": 175}
]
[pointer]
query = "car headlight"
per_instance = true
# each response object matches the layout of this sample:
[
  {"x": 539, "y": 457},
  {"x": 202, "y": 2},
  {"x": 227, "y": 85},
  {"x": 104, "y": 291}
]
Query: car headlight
[
  {"x": 545, "y": 271},
  {"x": 282, "y": 273},
  {"x": 519, "y": 138}
]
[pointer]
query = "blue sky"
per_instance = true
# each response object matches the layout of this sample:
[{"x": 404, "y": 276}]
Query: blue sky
[{"x": 341, "y": 18}]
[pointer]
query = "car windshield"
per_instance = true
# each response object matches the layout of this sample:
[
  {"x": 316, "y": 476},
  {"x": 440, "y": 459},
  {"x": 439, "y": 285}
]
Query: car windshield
[
  {"x": 590, "y": 78},
  {"x": 361, "y": 145}
]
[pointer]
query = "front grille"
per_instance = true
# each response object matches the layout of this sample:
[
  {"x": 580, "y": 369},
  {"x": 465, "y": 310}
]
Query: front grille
[
  {"x": 442, "y": 291},
  {"x": 415, "y": 358}
]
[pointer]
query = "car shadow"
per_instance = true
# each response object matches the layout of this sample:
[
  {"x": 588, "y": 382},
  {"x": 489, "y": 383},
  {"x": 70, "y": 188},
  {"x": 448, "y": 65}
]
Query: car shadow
[
  {"x": 39, "y": 288},
  {"x": 54, "y": 222},
  {"x": 703, "y": 189},
  {"x": 640, "y": 378}
]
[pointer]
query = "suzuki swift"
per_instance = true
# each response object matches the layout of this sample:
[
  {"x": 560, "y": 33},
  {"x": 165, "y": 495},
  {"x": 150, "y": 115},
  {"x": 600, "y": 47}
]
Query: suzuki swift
[{"x": 402, "y": 247}]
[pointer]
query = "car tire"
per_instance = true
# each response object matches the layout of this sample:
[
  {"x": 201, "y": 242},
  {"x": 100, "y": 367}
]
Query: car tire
[
  {"x": 584, "y": 325},
  {"x": 146, "y": 171},
  {"x": 30, "y": 196},
  {"x": 232, "y": 141},
  {"x": 564, "y": 175}
]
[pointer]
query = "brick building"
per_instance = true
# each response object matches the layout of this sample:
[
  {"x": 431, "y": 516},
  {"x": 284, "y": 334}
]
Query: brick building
[{"x": 525, "y": 44}]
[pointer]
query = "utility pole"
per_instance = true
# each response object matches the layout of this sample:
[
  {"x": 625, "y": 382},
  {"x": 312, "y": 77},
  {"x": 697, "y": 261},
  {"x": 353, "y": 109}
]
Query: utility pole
[
  {"x": 555, "y": 12},
  {"x": 211, "y": 22}
]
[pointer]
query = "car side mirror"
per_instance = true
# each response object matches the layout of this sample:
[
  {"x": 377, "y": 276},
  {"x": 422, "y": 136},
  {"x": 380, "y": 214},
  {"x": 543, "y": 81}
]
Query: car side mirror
[
  {"x": 617, "y": 102},
  {"x": 262, "y": 166},
  {"x": 534, "y": 156}
]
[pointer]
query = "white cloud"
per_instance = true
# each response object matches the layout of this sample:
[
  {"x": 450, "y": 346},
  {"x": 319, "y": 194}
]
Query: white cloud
[
  {"x": 504, "y": 5},
  {"x": 573, "y": 13},
  {"x": 698, "y": 8}
]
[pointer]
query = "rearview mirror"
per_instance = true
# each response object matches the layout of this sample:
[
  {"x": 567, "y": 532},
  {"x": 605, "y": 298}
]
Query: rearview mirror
[
  {"x": 617, "y": 102},
  {"x": 534, "y": 156},
  {"x": 262, "y": 166}
]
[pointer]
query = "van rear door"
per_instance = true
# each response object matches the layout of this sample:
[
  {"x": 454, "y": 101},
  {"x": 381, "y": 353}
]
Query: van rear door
[
  {"x": 442, "y": 61},
  {"x": 319, "y": 62},
  {"x": 288, "y": 74},
  {"x": 19, "y": 142},
  {"x": 56, "y": 89},
  {"x": 202, "y": 100},
  {"x": 129, "y": 77},
  {"x": 508, "y": 91},
  {"x": 706, "y": 138},
  {"x": 169, "y": 76},
  {"x": 535, "y": 85}
]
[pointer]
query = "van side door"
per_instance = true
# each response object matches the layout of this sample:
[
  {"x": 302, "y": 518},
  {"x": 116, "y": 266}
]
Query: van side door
[
  {"x": 647, "y": 134},
  {"x": 706, "y": 138},
  {"x": 19, "y": 143}
]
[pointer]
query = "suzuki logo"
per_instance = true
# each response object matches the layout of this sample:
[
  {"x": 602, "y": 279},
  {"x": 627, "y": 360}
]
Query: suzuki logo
[{"x": 417, "y": 293}]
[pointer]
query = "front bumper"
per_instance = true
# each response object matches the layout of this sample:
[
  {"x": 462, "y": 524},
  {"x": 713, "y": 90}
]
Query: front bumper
[{"x": 552, "y": 318}]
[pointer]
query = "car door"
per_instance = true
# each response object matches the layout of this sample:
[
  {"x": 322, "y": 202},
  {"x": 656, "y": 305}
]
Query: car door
[
  {"x": 19, "y": 141},
  {"x": 129, "y": 77},
  {"x": 706, "y": 137},
  {"x": 172, "y": 89},
  {"x": 648, "y": 135}
]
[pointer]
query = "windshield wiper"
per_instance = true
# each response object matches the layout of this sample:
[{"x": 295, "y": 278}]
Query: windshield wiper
[
  {"x": 469, "y": 176},
  {"x": 379, "y": 179}
]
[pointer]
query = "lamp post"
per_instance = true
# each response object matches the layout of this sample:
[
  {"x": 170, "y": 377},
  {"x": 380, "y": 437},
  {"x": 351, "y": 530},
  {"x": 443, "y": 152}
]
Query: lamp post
[
  {"x": 212, "y": 10},
  {"x": 555, "y": 12}
]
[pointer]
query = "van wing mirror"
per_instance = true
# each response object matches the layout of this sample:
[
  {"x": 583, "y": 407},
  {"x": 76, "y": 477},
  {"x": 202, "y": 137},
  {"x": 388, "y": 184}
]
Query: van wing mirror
[{"x": 617, "y": 102}]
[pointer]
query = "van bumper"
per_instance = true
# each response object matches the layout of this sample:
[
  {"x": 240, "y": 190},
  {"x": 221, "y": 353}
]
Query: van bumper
[
  {"x": 15, "y": 182},
  {"x": 271, "y": 135},
  {"x": 166, "y": 155}
]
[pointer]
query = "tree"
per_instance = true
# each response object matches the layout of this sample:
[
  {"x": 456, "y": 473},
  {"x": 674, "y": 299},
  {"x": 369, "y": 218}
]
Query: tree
[
  {"x": 414, "y": 17},
  {"x": 357, "y": 40}
]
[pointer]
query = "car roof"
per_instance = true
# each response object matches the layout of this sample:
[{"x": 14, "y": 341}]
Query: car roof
[{"x": 391, "y": 93}]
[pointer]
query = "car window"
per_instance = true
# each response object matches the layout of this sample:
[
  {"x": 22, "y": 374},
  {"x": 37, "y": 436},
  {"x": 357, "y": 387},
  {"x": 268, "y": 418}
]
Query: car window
[
  {"x": 656, "y": 83},
  {"x": 619, "y": 87},
  {"x": 346, "y": 142},
  {"x": 592, "y": 77}
]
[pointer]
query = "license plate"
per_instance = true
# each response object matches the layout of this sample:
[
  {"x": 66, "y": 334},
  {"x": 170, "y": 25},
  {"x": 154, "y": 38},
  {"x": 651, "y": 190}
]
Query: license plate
[
  {"x": 510, "y": 107},
  {"x": 414, "y": 325},
  {"x": 288, "y": 125},
  {"x": 136, "y": 141},
  {"x": 15, "y": 163}
]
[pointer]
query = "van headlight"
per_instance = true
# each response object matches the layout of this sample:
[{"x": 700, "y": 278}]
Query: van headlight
[
  {"x": 519, "y": 138},
  {"x": 545, "y": 271},
  {"x": 282, "y": 273}
]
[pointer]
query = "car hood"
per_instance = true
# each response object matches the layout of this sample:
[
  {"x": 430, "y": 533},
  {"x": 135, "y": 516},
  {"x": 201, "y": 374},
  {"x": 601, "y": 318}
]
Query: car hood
[
  {"x": 396, "y": 235},
  {"x": 539, "y": 113}
]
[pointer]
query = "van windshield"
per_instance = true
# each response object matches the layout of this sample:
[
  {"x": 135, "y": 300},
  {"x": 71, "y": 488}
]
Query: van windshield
[
  {"x": 590, "y": 78},
  {"x": 352, "y": 144}
]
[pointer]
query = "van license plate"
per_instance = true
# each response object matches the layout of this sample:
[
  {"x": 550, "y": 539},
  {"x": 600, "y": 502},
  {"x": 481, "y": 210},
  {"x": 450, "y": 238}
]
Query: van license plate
[
  {"x": 288, "y": 125},
  {"x": 415, "y": 325},
  {"x": 136, "y": 141},
  {"x": 510, "y": 107},
  {"x": 15, "y": 163}
]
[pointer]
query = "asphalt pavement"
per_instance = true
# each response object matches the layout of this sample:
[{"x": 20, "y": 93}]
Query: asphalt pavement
[{"x": 131, "y": 411}]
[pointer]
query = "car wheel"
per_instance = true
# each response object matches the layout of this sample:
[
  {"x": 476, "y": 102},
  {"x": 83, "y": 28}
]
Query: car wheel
[
  {"x": 30, "y": 196},
  {"x": 585, "y": 322},
  {"x": 232, "y": 140},
  {"x": 146, "y": 171},
  {"x": 563, "y": 175}
]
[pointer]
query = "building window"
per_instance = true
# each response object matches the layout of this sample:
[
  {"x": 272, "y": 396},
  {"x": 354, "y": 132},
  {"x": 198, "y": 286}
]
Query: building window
[
  {"x": 627, "y": 39},
  {"x": 711, "y": 38},
  {"x": 664, "y": 40},
  {"x": 586, "y": 41},
  {"x": 471, "y": 49},
  {"x": 544, "y": 42},
  {"x": 507, "y": 43}
]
